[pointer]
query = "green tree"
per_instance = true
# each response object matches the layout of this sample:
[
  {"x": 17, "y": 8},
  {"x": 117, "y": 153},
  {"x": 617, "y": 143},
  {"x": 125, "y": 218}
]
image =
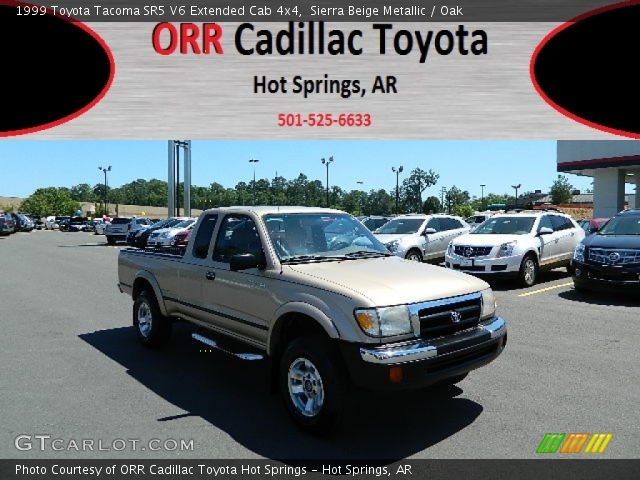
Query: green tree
[
  {"x": 379, "y": 202},
  {"x": 464, "y": 210},
  {"x": 413, "y": 186},
  {"x": 82, "y": 193},
  {"x": 432, "y": 205},
  {"x": 489, "y": 199},
  {"x": 50, "y": 201},
  {"x": 560, "y": 191},
  {"x": 456, "y": 198}
]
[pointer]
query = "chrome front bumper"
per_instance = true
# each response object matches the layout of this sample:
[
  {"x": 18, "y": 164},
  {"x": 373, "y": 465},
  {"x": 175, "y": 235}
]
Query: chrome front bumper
[{"x": 415, "y": 351}]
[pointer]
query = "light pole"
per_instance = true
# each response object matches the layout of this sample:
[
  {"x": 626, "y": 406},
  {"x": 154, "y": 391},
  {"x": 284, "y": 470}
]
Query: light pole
[
  {"x": 185, "y": 145},
  {"x": 397, "y": 171},
  {"x": 105, "y": 170},
  {"x": 443, "y": 194},
  {"x": 516, "y": 187},
  {"x": 359, "y": 182},
  {"x": 327, "y": 163},
  {"x": 482, "y": 193},
  {"x": 254, "y": 162}
]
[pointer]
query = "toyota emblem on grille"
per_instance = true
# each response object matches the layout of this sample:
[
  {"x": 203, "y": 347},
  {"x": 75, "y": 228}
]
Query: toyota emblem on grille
[
  {"x": 456, "y": 317},
  {"x": 468, "y": 252},
  {"x": 614, "y": 257}
]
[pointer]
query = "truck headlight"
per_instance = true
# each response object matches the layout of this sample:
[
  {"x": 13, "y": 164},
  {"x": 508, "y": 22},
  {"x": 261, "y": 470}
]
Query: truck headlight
[
  {"x": 488, "y": 304},
  {"x": 578, "y": 253},
  {"x": 506, "y": 249},
  {"x": 384, "y": 322},
  {"x": 392, "y": 246}
]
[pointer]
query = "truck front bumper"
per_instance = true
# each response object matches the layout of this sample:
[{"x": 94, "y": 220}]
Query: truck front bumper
[{"x": 419, "y": 363}]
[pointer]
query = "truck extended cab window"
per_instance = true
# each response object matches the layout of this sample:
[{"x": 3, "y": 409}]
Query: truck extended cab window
[{"x": 204, "y": 236}]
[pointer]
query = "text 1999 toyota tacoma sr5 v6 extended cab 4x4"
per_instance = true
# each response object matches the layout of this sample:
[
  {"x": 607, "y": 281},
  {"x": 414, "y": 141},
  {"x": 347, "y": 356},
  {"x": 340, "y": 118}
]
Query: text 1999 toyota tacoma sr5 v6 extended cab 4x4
[{"x": 326, "y": 315}]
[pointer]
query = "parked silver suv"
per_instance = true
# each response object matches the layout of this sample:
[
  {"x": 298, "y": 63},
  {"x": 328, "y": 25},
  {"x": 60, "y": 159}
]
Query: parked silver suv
[
  {"x": 421, "y": 237},
  {"x": 119, "y": 227}
]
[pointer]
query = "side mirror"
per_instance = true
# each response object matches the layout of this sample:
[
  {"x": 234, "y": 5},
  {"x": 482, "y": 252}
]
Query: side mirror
[
  {"x": 246, "y": 261},
  {"x": 429, "y": 231},
  {"x": 545, "y": 231}
]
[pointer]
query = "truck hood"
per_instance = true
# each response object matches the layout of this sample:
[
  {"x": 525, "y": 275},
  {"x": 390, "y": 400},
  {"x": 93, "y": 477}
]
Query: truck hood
[
  {"x": 390, "y": 237},
  {"x": 482, "y": 240},
  {"x": 387, "y": 280}
]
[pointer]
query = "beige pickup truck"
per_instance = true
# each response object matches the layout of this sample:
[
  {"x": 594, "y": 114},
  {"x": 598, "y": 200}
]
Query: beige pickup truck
[{"x": 327, "y": 315}]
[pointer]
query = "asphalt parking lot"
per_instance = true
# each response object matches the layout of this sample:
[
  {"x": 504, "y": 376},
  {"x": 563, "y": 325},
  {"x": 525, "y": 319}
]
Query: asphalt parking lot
[{"x": 72, "y": 369}]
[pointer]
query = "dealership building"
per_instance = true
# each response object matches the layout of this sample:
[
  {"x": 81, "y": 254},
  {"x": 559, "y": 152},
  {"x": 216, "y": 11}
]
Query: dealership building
[{"x": 611, "y": 163}]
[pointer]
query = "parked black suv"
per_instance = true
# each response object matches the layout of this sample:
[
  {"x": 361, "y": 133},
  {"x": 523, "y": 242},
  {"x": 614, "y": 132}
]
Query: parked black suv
[{"x": 610, "y": 258}]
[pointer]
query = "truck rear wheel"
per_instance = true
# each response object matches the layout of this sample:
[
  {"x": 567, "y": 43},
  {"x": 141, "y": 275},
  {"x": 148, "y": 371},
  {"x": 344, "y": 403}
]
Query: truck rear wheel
[
  {"x": 312, "y": 385},
  {"x": 111, "y": 240},
  {"x": 152, "y": 328}
]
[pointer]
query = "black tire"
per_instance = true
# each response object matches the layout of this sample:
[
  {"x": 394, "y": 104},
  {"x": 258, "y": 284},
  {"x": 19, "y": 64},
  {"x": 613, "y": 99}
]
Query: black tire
[
  {"x": 528, "y": 274},
  {"x": 152, "y": 328},
  {"x": 414, "y": 255},
  {"x": 580, "y": 288},
  {"x": 570, "y": 268},
  {"x": 111, "y": 240},
  {"x": 325, "y": 363}
]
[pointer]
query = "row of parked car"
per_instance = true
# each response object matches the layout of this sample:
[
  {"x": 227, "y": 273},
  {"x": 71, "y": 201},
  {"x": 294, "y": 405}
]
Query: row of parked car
[
  {"x": 16, "y": 222},
  {"x": 142, "y": 232},
  {"x": 600, "y": 253}
]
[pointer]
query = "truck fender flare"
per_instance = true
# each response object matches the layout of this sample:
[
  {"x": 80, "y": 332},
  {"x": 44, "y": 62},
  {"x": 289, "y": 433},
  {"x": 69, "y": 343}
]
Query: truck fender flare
[
  {"x": 305, "y": 309},
  {"x": 156, "y": 289}
]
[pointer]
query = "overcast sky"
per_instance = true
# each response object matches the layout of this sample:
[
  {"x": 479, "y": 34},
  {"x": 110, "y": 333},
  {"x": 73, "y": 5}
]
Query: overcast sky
[{"x": 28, "y": 165}]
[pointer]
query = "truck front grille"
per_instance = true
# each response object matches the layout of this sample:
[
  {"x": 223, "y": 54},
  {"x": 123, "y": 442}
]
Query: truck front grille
[
  {"x": 449, "y": 316},
  {"x": 612, "y": 256},
  {"x": 465, "y": 251}
]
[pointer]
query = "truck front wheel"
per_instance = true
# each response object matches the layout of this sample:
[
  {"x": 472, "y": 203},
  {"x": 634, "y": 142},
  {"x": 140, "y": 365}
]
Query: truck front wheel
[
  {"x": 312, "y": 386},
  {"x": 153, "y": 328}
]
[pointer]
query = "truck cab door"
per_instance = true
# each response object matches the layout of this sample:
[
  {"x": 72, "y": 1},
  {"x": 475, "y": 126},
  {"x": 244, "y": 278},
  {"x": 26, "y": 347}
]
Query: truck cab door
[
  {"x": 238, "y": 303},
  {"x": 192, "y": 272}
]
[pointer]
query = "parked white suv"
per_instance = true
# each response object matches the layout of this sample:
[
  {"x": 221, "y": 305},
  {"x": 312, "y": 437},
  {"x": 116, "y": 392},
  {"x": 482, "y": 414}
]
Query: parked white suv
[
  {"x": 421, "y": 237},
  {"x": 516, "y": 244}
]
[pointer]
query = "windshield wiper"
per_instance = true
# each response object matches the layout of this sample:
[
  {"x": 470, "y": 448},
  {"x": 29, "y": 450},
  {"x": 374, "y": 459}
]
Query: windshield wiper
[
  {"x": 365, "y": 254},
  {"x": 307, "y": 259}
]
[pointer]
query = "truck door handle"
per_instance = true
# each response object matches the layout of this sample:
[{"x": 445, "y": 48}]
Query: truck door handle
[{"x": 210, "y": 275}]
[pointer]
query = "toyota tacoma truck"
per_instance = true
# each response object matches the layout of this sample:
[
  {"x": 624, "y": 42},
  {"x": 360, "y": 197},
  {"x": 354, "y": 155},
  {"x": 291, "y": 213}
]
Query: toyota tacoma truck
[{"x": 269, "y": 283}]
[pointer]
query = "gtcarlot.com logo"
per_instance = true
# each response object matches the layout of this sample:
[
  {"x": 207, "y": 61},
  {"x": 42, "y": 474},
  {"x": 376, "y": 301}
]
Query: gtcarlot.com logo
[
  {"x": 43, "y": 443},
  {"x": 574, "y": 443}
]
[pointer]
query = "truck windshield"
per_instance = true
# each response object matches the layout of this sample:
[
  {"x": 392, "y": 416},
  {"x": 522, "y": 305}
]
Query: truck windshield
[
  {"x": 622, "y": 226},
  {"x": 401, "y": 226},
  {"x": 321, "y": 237},
  {"x": 506, "y": 226}
]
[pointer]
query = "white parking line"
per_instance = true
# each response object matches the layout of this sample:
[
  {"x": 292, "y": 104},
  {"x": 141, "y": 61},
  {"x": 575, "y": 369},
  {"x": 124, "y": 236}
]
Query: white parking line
[{"x": 542, "y": 290}]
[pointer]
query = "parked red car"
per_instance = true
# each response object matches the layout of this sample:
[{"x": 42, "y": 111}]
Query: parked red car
[
  {"x": 592, "y": 225},
  {"x": 181, "y": 239}
]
